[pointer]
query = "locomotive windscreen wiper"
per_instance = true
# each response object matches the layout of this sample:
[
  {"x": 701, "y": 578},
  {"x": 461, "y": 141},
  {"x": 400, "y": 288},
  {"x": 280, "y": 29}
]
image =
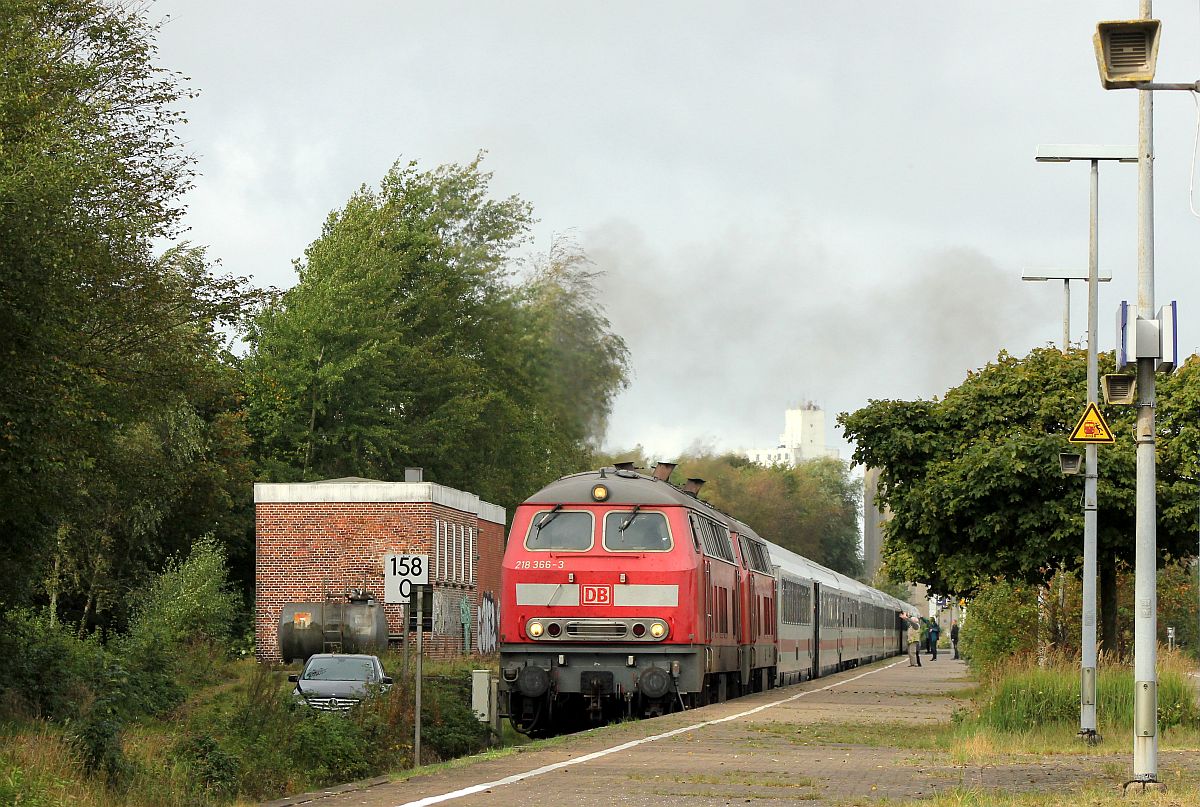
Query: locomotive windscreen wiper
[
  {"x": 629, "y": 520},
  {"x": 546, "y": 519}
]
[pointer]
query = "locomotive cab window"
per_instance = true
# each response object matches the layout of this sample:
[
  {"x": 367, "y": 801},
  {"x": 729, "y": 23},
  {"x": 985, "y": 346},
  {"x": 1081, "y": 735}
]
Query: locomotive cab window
[
  {"x": 561, "y": 530},
  {"x": 636, "y": 531}
]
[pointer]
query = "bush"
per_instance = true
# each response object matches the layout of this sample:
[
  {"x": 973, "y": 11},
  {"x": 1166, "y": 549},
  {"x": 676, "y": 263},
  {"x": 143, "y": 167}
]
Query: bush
[
  {"x": 97, "y": 735},
  {"x": 190, "y": 600},
  {"x": 48, "y": 670},
  {"x": 189, "y": 606},
  {"x": 449, "y": 725},
  {"x": 1001, "y": 624},
  {"x": 211, "y": 770}
]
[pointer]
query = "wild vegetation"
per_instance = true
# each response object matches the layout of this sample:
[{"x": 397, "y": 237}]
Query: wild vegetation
[{"x": 169, "y": 713}]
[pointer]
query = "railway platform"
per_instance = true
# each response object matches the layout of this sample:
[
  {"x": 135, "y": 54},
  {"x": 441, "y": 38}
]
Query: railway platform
[{"x": 851, "y": 738}]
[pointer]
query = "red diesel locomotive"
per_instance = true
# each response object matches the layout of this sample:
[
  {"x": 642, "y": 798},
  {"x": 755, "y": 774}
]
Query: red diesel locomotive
[{"x": 624, "y": 595}]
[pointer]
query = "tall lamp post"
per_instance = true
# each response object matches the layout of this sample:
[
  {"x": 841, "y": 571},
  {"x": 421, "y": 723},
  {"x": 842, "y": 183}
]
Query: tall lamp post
[
  {"x": 1066, "y": 276},
  {"x": 1087, "y": 661}
]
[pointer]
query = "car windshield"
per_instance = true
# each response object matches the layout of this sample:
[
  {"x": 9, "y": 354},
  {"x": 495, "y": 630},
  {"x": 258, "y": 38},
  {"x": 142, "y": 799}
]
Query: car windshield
[
  {"x": 636, "y": 531},
  {"x": 560, "y": 529},
  {"x": 339, "y": 669}
]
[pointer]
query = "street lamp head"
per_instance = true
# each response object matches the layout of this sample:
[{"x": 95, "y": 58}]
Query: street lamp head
[
  {"x": 1065, "y": 153},
  {"x": 1104, "y": 276},
  {"x": 1069, "y": 464},
  {"x": 1126, "y": 52}
]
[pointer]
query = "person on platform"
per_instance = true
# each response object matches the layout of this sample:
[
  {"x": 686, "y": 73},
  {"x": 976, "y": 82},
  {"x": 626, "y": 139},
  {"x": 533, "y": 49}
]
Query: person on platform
[
  {"x": 935, "y": 631},
  {"x": 954, "y": 636},
  {"x": 913, "y": 638}
]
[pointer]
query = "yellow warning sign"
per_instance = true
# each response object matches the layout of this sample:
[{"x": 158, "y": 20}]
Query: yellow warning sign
[{"x": 1091, "y": 428}]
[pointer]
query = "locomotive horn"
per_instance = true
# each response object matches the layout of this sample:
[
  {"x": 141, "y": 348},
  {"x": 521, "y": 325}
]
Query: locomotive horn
[
  {"x": 692, "y": 487},
  {"x": 662, "y": 471}
]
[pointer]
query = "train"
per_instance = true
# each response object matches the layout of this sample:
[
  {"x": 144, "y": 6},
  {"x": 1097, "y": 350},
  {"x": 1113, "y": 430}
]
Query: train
[{"x": 624, "y": 595}]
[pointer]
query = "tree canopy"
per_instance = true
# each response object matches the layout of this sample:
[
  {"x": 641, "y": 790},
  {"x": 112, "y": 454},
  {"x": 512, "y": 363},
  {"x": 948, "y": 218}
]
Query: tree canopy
[
  {"x": 407, "y": 342},
  {"x": 114, "y": 411},
  {"x": 973, "y": 482}
]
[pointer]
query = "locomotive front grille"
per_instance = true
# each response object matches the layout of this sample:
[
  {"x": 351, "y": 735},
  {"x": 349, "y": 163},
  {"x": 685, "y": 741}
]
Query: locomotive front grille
[{"x": 597, "y": 629}]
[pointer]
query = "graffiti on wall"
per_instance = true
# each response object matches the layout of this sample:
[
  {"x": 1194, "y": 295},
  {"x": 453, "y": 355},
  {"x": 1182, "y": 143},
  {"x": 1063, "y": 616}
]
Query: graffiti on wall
[
  {"x": 487, "y": 631},
  {"x": 446, "y": 619}
]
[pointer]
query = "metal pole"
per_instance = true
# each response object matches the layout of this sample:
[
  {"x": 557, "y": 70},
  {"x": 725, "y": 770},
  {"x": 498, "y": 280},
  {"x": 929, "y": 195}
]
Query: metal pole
[
  {"x": 1066, "y": 314},
  {"x": 1145, "y": 683},
  {"x": 404, "y": 612},
  {"x": 1087, "y": 689},
  {"x": 417, "y": 687}
]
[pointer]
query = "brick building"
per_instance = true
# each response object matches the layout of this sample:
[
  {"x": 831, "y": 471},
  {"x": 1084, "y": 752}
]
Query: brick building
[{"x": 319, "y": 538}]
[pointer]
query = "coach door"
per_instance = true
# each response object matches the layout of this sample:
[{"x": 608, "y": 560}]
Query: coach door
[{"x": 816, "y": 632}]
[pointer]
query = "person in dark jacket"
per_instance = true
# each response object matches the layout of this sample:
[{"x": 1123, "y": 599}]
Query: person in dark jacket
[
  {"x": 935, "y": 631},
  {"x": 954, "y": 636}
]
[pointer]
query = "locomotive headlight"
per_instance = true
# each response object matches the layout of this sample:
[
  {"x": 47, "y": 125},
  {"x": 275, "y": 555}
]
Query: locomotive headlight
[
  {"x": 600, "y": 493},
  {"x": 658, "y": 630},
  {"x": 534, "y": 628}
]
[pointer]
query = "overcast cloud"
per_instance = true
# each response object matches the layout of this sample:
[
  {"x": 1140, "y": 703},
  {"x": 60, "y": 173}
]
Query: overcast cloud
[{"x": 790, "y": 201}]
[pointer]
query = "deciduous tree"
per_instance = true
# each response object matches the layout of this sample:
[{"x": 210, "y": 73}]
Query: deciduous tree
[{"x": 973, "y": 483}]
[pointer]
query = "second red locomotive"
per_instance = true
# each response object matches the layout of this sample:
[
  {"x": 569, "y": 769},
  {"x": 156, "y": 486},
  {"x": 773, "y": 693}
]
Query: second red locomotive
[{"x": 624, "y": 595}]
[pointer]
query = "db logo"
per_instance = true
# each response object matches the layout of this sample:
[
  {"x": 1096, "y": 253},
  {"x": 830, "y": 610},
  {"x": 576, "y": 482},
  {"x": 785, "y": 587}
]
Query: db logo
[{"x": 596, "y": 595}]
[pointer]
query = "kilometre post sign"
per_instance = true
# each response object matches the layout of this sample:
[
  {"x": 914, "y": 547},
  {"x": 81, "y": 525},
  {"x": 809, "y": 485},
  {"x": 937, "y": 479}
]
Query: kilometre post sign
[{"x": 401, "y": 573}]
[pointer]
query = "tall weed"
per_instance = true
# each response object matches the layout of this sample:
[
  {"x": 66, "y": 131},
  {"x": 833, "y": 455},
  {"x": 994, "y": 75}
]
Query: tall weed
[{"x": 1021, "y": 696}]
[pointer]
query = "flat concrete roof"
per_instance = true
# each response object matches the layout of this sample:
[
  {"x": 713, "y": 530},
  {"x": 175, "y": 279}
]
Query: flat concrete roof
[{"x": 353, "y": 489}]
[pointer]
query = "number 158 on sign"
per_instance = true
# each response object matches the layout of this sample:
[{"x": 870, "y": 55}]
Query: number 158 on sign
[{"x": 401, "y": 573}]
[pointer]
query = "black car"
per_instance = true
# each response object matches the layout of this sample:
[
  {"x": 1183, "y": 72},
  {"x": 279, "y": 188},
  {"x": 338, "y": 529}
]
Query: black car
[{"x": 337, "y": 681}]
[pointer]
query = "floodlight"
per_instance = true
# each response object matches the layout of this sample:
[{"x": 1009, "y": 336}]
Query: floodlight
[
  {"x": 1119, "y": 389},
  {"x": 1069, "y": 464},
  {"x": 1126, "y": 52}
]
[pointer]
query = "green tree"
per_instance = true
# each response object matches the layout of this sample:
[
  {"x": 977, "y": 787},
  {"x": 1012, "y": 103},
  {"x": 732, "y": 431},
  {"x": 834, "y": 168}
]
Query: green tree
[
  {"x": 973, "y": 484},
  {"x": 811, "y": 509},
  {"x": 406, "y": 342},
  {"x": 103, "y": 341}
]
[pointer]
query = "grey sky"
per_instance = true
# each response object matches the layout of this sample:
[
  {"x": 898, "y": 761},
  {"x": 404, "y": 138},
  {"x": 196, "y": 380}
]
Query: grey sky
[{"x": 791, "y": 201}]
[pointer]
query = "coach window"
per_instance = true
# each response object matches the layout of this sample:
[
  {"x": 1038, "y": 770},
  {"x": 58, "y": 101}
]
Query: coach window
[
  {"x": 636, "y": 531},
  {"x": 561, "y": 530}
]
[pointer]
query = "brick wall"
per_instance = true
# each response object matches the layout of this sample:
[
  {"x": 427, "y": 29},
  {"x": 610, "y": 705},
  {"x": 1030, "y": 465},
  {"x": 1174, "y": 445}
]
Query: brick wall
[{"x": 306, "y": 549}]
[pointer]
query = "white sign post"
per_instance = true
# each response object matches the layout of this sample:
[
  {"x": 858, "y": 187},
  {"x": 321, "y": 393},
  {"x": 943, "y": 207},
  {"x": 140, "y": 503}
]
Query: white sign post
[
  {"x": 401, "y": 573},
  {"x": 404, "y": 576}
]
